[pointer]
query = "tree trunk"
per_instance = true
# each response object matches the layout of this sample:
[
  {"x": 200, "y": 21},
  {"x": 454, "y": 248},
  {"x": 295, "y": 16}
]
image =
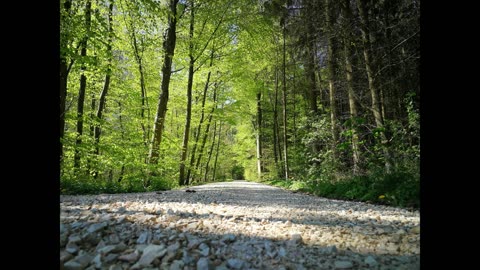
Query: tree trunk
[
  {"x": 186, "y": 134},
  {"x": 210, "y": 152},
  {"x": 310, "y": 65},
  {"x": 63, "y": 82},
  {"x": 276, "y": 130},
  {"x": 347, "y": 47},
  {"x": 217, "y": 152},
  {"x": 138, "y": 58},
  {"x": 284, "y": 92},
  {"x": 106, "y": 85},
  {"x": 332, "y": 65},
  {"x": 207, "y": 128},
  {"x": 259, "y": 135},
  {"x": 83, "y": 86},
  {"x": 202, "y": 115},
  {"x": 169, "y": 49},
  {"x": 90, "y": 159},
  {"x": 376, "y": 109}
]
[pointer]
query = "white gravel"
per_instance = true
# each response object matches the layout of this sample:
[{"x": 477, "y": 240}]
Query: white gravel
[{"x": 234, "y": 225}]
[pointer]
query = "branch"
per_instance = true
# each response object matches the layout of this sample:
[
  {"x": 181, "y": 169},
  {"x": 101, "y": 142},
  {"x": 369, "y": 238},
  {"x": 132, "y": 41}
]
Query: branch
[
  {"x": 180, "y": 69},
  {"x": 73, "y": 60},
  {"x": 214, "y": 31}
]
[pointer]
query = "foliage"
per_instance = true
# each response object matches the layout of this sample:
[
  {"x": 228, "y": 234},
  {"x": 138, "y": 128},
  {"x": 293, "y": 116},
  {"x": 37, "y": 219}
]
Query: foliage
[
  {"x": 395, "y": 189},
  {"x": 246, "y": 40}
]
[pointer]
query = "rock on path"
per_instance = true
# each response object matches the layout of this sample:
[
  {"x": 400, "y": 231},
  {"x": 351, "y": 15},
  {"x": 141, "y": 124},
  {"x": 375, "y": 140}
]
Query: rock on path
[{"x": 234, "y": 225}]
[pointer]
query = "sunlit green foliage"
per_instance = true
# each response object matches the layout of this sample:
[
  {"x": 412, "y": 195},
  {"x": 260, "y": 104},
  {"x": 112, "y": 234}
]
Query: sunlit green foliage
[{"x": 246, "y": 39}]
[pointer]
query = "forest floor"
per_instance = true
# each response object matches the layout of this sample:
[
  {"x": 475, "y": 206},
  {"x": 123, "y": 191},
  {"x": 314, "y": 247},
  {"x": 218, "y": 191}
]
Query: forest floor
[{"x": 234, "y": 225}]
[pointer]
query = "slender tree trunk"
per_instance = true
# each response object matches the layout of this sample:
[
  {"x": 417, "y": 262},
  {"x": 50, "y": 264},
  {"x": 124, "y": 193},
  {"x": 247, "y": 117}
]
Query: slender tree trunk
[
  {"x": 143, "y": 89},
  {"x": 83, "y": 86},
  {"x": 376, "y": 108},
  {"x": 217, "y": 152},
  {"x": 347, "y": 14},
  {"x": 202, "y": 115},
  {"x": 169, "y": 49},
  {"x": 186, "y": 134},
  {"x": 106, "y": 85},
  {"x": 310, "y": 63},
  {"x": 276, "y": 130},
  {"x": 63, "y": 80},
  {"x": 122, "y": 170},
  {"x": 284, "y": 92},
  {"x": 207, "y": 128},
  {"x": 332, "y": 65},
  {"x": 294, "y": 99},
  {"x": 90, "y": 159},
  {"x": 259, "y": 135},
  {"x": 210, "y": 151},
  {"x": 138, "y": 53}
]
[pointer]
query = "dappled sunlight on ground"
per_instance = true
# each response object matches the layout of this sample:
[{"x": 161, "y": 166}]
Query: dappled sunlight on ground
[{"x": 254, "y": 211}]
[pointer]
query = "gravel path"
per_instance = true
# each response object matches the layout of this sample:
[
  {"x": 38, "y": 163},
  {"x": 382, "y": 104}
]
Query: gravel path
[{"x": 234, "y": 225}]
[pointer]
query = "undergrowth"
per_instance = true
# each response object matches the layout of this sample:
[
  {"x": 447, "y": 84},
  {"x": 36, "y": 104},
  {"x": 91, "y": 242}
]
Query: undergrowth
[{"x": 396, "y": 189}]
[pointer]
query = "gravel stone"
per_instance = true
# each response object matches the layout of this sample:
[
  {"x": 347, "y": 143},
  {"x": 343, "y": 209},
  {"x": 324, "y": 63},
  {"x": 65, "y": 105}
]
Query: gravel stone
[{"x": 234, "y": 225}]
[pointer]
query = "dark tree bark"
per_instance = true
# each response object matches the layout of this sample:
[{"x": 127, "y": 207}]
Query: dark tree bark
[
  {"x": 63, "y": 78},
  {"x": 186, "y": 134},
  {"x": 348, "y": 50},
  {"x": 310, "y": 63},
  {"x": 332, "y": 65},
  {"x": 202, "y": 116},
  {"x": 276, "y": 130},
  {"x": 138, "y": 53},
  {"x": 217, "y": 152},
  {"x": 169, "y": 49},
  {"x": 106, "y": 85},
  {"x": 210, "y": 152},
  {"x": 284, "y": 95},
  {"x": 376, "y": 108},
  {"x": 258, "y": 135},
  {"x": 83, "y": 86},
  {"x": 207, "y": 128}
]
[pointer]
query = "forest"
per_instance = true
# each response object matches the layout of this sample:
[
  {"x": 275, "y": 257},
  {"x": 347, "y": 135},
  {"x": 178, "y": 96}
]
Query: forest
[{"x": 318, "y": 96}]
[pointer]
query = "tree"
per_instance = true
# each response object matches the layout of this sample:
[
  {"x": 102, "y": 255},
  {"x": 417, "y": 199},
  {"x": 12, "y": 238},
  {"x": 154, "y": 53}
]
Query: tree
[
  {"x": 169, "y": 49},
  {"x": 64, "y": 68},
  {"x": 258, "y": 134},
  {"x": 376, "y": 108},
  {"x": 83, "y": 84},
  {"x": 332, "y": 76},
  {"x": 348, "y": 51},
  {"x": 284, "y": 97},
  {"x": 106, "y": 86},
  {"x": 186, "y": 133}
]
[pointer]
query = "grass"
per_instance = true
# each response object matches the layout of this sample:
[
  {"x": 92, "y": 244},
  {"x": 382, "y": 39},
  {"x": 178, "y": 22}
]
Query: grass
[
  {"x": 395, "y": 189},
  {"x": 127, "y": 185}
]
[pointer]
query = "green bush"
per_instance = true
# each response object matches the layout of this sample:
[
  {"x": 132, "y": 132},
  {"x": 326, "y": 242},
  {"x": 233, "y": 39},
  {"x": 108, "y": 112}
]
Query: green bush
[{"x": 397, "y": 189}]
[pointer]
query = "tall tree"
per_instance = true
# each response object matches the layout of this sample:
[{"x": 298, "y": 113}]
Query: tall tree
[
  {"x": 210, "y": 152},
  {"x": 207, "y": 128},
  {"x": 106, "y": 85},
  {"x": 186, "y": 133},
  {"x": 217, "y": 152},
  {"x": 310, "y": 55},
  {"x": 83, "y": 84},
  {"x": 138, "y": 53},
  {"x": 348, "y": 51},
  {"x": 376, "y": 108},
  {"x": 284, "y": 96},
  {"x": 258, "y": 134},
  {"x": 276, "y": 129},
  {"x": 332, "y": 66},
  {"x": 169, "y": 50},
  {"x": 64, "y": 69}
]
